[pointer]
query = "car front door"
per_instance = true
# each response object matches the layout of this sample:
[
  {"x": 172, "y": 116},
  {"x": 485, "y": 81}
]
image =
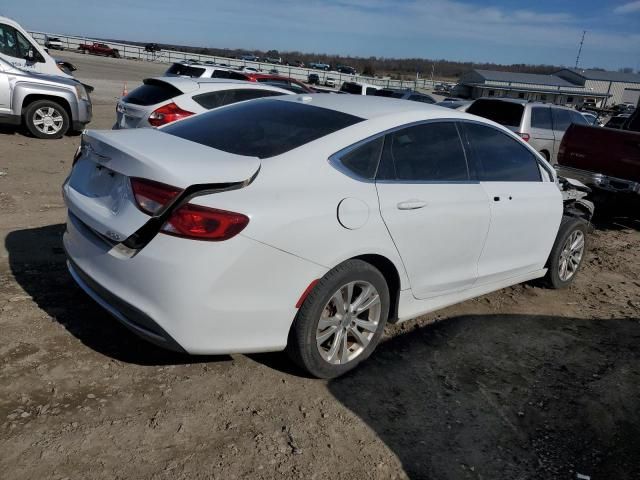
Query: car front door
[
  {"x": 436, "y": 213},
  {"x": 526, "y": 206},
  {"x": 542, "y": 138}
]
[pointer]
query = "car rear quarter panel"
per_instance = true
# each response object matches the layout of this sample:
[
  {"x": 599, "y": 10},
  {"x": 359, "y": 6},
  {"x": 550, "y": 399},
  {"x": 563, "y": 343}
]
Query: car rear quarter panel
[{"x": 293, "y": 206}]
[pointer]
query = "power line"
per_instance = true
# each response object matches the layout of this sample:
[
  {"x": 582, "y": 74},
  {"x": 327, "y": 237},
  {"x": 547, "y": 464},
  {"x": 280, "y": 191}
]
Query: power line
[{"x": 584, "y": 32}]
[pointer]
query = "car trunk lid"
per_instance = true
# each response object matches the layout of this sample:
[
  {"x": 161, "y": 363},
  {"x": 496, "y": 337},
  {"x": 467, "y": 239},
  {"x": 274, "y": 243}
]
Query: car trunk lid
[{"x": 98, "y": 191}]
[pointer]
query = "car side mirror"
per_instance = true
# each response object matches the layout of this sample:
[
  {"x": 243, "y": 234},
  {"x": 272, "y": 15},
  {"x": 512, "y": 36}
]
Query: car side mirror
[{"x": 31, "y": 56}]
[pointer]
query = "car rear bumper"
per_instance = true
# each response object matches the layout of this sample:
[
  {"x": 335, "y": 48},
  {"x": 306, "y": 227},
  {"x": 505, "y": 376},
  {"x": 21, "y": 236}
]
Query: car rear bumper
[
  {"x": 141, "y": 324},
  {"x": 236, "y": 296},
  {"x": 599, "y": 180}
]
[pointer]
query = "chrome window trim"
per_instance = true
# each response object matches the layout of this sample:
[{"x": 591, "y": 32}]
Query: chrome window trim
[
  {"x": 335, "y": 160},
  {"x": 536, "y": 155}
]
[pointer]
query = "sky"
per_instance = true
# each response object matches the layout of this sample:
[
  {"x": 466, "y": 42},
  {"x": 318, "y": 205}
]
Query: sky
[{"x": 499, "y": 31}]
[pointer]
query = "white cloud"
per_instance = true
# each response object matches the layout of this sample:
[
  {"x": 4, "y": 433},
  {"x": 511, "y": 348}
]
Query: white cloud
[{"x": 631, "y": 7}]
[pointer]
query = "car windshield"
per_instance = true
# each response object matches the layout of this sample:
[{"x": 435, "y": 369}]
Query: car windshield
[
  {"x": 508, "y": 114},
  {"x": 261, "y": 128}
]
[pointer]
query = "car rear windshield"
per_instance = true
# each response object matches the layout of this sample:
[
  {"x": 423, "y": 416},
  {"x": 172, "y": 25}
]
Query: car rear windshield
[
  {"x": 508, "y": 114},
  {"x": 185, "y": 70},
  {"x": 261, "y": 128},
  {"x": 152, "y": 92}
]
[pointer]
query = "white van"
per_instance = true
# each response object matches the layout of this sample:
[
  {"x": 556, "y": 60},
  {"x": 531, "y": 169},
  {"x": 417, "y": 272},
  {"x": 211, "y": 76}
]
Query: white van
[{"x": 19, "y": 49}]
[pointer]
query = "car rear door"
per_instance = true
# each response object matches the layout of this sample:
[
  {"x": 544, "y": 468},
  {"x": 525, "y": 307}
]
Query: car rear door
[
  {"x": 526, "y": 207},
  {"x": 436, "y": 213},
  {"x": 541, "y": 131}
]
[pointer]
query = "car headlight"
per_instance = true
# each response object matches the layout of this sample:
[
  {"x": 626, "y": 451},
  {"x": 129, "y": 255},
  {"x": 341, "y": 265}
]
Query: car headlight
[{"x": 82, "y": 92}]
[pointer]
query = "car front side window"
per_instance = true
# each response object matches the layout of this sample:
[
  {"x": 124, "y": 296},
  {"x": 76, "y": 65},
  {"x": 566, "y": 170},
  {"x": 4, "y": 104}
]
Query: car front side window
[
  {"x": 499, "y": 157},
  {"x": 8, "y": 41}
]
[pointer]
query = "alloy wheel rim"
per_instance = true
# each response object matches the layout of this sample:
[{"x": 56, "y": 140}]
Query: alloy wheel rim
[
  {"x": 348, "y": 322},
  {"x": 48, "y": 120},
  {"x": 571, "y": 256}
]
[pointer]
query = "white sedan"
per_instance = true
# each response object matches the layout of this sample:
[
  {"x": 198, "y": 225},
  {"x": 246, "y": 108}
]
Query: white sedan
[
  {"x": 160, "y": 101},
  {"x": 306, "y": 223}
]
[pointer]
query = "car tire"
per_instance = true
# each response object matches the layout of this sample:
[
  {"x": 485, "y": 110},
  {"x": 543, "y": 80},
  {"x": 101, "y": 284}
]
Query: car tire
[
  {"x": 46, "y": 119},
  {"x": 346, "y": 337},
  {"x": 568, "y": 252}
]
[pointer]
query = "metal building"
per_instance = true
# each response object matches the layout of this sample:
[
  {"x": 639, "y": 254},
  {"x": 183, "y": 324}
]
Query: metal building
[
  {"x": 529, "y": 86},
  {"x": 620, "y": 87}
]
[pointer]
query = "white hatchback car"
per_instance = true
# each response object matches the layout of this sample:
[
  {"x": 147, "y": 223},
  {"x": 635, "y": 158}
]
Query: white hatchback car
[
  {"x": 160, "y": 101},
  {"x": 308, "y": 222}
]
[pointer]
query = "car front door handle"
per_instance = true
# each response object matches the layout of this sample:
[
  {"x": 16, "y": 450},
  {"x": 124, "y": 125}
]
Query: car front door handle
[{"x": 411, "y": 204}]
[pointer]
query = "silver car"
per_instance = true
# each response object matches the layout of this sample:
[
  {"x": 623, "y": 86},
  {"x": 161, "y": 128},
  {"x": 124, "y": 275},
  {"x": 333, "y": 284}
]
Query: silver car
[
  {"x": 541, "y": 124},
  {"x": 48, "y": 106},
  {"x": 159, "y": 101}
]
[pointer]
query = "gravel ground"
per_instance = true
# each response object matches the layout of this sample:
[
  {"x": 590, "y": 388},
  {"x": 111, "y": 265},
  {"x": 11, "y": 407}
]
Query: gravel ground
[{"x": 525, "y": 383}]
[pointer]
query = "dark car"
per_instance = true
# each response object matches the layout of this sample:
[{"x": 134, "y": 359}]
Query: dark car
[
  {"x": 617, "y": 121},
  {"x": 152, "y": 47},
  {"x": 412, "y": 95},
  {"x": 346, "y": 69},
  {"x": 313, "y": 79}
]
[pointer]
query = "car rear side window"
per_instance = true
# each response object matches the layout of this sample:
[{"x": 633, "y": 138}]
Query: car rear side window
[
  {"x": 185, "y": 70},
  {"x": 508, "y": 114},
  {"x": 152, "y": 92},
  {"x": 499, "y": 157},
  {"x": 228, "y": 74},
  {"x": 541, "y": 118},
  {"x": 264, "y": 128},
  {"x": 226, "y": 97},
  {"x": 363, "y": 160},
  {"x": 427, "y": 152}
]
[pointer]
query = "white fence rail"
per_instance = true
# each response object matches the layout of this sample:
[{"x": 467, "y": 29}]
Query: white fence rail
[{"x": 138, "y": 52}]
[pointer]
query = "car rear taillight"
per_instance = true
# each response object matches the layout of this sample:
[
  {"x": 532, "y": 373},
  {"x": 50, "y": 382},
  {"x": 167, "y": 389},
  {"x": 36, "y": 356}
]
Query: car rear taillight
[
  {"x": 167, "y": 114},
  {"x": 152, "y": 196},
  {"x": 524, "y": 136},
  {"x": 204, "y": 223}
]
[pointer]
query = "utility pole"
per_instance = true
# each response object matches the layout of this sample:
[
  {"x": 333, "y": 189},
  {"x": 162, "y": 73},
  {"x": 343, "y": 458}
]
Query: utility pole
[{"x": 584, "y": 32}]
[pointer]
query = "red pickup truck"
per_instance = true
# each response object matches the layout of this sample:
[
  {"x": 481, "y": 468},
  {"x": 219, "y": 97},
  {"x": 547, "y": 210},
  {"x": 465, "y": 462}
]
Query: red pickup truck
[
  {"x": 606, "y": 159},
  {"x": 99, "y": 49}
]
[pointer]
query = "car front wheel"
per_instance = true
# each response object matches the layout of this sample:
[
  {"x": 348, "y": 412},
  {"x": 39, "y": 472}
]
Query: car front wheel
[
  {"x": 568, "y": 252},
  {"x": 46, "y": 119},
  {"x": 341, "y": 321}
]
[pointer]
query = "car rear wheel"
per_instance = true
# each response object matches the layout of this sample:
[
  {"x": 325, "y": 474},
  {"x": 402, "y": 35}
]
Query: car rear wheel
[
  {"x": 567, "y": 253},
  {"x": 46, "y": 119},
  {"x": 341, "y": 321}
]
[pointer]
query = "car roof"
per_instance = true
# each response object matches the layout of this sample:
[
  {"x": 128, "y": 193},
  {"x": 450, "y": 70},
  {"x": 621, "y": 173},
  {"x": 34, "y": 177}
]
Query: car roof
[
  {"x": 370, "y": 106},
  {"x": 524, "y": 103},
  {"x": 363, "y": 84}
]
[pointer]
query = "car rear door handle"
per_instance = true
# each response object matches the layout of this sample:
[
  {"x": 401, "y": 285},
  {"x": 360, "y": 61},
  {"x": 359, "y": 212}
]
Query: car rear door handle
[{"x": 411, "y": 204}]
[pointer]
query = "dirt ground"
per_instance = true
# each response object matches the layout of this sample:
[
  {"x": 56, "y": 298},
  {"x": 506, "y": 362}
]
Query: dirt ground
[{"x": 525, "y": 383}]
